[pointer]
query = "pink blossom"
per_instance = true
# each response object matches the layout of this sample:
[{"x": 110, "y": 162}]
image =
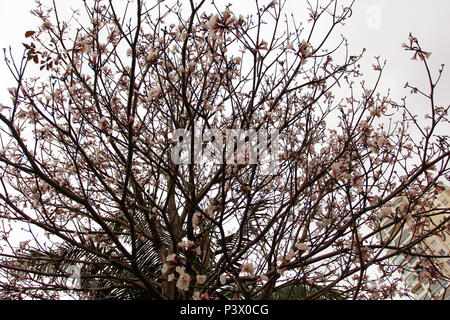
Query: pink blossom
[
  {"x": 248, "y": 267},
  {"x": 198, "y": 251},
  {"x": 264, "y": 278},
  {"x": 171, "y": 257},
  {"x": 180, "y": 269},
  {"x": 201, "y": 279},
  {"x": 183, "y": 281},
  {"x": 196, "y": 219},
  {"x": 301, "y": 246}
]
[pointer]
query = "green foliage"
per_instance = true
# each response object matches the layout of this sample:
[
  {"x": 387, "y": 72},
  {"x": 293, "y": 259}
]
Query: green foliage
[{"x": 302, "y": 291}]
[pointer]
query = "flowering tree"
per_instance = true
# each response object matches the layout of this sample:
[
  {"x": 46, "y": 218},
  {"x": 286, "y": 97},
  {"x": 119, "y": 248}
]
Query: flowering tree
[{"x": 88, "y": 167}]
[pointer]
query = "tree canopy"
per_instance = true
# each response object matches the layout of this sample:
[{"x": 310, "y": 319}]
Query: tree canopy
[{"x": 88, "y": 170}]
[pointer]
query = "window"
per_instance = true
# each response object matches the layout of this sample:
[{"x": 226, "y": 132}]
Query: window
[
  {"x": 405, "y": 236},
  {"x": 444, "y": 202},
  {"x": 396, "y": 203},
  {"x": 410, "y": 279},
  {"x": 442, "y": 252},
  {"x": 418, "y": 287},
  {"x": 398, "y": 260},
  {"x": 419, "y": 291},
  {"x": 384, "y": 234},
  {"x": 434, "y": 243},
  {"x": 447, "y": 295},
  {"x": 435, "y": 288}
]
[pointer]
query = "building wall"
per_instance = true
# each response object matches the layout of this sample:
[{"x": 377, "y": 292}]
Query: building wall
[{"x": 437, "y": 245}]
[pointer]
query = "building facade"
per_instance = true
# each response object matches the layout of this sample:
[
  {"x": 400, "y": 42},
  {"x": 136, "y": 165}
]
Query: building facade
[{"x": 417, "y": 264}]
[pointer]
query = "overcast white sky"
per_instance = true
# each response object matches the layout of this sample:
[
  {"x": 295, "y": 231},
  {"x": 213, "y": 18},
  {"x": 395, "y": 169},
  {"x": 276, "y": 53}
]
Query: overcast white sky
[{"x": 378, "y": 25}]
